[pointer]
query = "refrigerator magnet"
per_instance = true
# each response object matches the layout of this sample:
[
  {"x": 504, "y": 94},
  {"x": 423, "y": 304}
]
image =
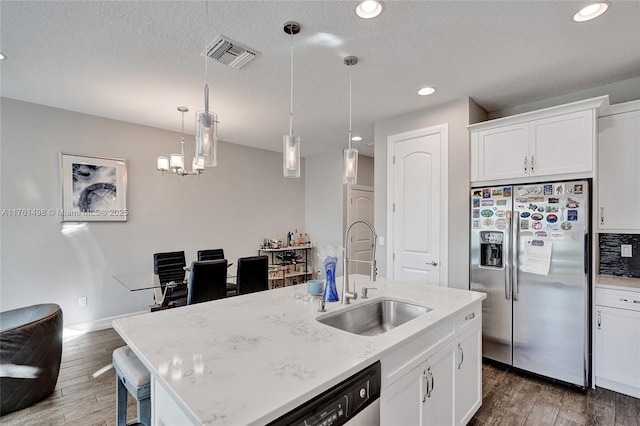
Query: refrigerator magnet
[
  {"x": 524, "y": 224},
  {"x": 557, "y": 235},
  {"x": 487, "y": 222},
  {"x": 506, "y": 191},
  {"x": 548, "y": 190},
  {"x": 476, "y": 213},
  {"x": 537, "y": 216},
  {"x": 496, "y": 192},
  {"x": 476, "y": 202},
  {"x": 560, "y": 189},
  {"x": 501, "y": 223},
  {"x": 565, "y": 226},
  {"x": 572, "y": 215},
  {"x": 572, "y": 204},
  {"x": 475, "y": 224},
  {"x": 577, "y": 189},
  {"x": 486, "y": 193},
  {"x": 501, "y": 202},
  {"x": 486, "y": 213},
  {"x": 486, "y": 203},
  {"x": 525, "y": 215},
  {"x": 552, "y": 218},
  {"x": 536, "y": 225},
  {"x": 553, "y": 200}
]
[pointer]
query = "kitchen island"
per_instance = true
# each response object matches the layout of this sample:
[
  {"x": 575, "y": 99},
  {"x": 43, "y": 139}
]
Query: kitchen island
[{"x": 250, "y": 359}]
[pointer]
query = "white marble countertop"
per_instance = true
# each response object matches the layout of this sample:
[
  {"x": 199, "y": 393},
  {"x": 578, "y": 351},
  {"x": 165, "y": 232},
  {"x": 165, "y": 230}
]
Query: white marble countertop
[
  {"x": 620, "y": 283},
  {"x": 250, "y": 359}
]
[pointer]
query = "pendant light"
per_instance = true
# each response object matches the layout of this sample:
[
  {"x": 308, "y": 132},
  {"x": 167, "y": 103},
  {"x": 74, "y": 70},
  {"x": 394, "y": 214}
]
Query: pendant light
[
  {"x": 291, "y": 142},
  {"x": 350, "y": 172},
  {"x": 206, "y": 121},
  {"x": 175, "y": 162}
]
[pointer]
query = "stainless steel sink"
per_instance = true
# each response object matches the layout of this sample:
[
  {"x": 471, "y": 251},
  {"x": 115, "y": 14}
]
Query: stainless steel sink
[{"x": 374, "y": 318}]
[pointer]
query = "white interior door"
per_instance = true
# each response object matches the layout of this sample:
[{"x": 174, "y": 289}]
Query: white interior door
[
  {"x": 360, "y": 246},
  {"x": 418, "y": 220}
]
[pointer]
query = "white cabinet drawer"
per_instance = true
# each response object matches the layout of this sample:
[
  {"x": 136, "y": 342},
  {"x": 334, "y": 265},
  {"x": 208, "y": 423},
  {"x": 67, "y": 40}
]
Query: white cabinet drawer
[{"x": 618, "y": 298}]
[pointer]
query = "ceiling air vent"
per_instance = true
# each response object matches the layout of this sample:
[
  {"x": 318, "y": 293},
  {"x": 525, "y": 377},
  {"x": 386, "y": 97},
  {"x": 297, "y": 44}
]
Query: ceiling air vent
[{"x": 230, "y": 52}]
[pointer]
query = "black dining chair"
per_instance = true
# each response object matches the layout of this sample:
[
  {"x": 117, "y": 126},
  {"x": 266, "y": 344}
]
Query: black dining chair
[
  {"x": 207, "y": 281},
  {"x": 215, "y": 254},
  {"x": 253, "y": 274},
  {"x": 169, "y": 267}
]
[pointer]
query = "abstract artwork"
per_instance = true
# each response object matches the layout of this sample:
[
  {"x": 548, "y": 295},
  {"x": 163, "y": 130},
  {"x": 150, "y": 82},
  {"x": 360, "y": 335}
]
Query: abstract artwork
[{"x": 93, "y": 188}]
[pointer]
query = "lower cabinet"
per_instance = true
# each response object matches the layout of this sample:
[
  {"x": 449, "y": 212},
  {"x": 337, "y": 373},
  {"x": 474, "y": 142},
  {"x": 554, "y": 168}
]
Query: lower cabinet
[
  {"x": 617, "y": 356},
  {"x": 445, "y": 388}
]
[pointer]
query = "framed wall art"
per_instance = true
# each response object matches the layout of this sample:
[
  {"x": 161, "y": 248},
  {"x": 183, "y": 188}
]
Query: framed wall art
[{"x": 93, "y": 189}]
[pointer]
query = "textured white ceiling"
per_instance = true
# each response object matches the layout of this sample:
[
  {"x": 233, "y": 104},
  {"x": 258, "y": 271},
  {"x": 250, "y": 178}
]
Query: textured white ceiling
[{"x": 137, "y": 61}]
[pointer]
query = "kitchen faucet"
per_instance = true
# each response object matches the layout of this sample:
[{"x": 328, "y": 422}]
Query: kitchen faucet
[{"x": 346, "y": 294}]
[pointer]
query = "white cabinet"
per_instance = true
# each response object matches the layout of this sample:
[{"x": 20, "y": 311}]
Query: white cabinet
[
  {"x": 557, "y": 142},
  {"x": 442, "y": 386},
  {"x": 618, "y": 169},
  {"x": 468, "y": 380},
  {"x": 617, "y": 335}
]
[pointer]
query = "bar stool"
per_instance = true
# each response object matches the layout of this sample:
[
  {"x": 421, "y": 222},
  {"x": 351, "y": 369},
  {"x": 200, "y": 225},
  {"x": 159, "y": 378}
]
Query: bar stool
[{"x": 135, "y": 378}]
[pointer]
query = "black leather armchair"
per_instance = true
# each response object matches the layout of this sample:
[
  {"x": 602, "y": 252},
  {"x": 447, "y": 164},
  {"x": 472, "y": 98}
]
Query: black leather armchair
[
  {"x": 207, "y": 281},
  {"x": 253, "y": 274},
  {"x": 170, "y": 269},
  {"x": 216, "y": 254},
  {"x": 30, "y": 354}
]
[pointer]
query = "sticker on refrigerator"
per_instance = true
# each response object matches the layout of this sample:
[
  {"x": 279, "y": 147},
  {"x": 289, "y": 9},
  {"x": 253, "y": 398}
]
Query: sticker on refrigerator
[
  {"x": 551, "y": 209},
  {"x": 486, "y": 193},
  {"x": 486, "y": 203},
  {"x": 548, "y": 190},
  {"x": 496, "y": 192},
  {"x": 553, "y": 200},
  {"x": 565, "y": 226},
  {"x": 536, "y": 225},
  {"x": 536, "y": 190},
  {"x": 486, "y": 213},
  {"x": 476, "y": 202},
  {"x": 501, "y": 202},
  {"x": 572, "y": 204},
  {"x": 500, "y": 213},
  {"x": 524, "y": 224},
  {"x": 487, "y": 222},
  {"x": 537, "y": 216},
  {"x": 559, "y": 189},
  {"x": 501, "y": 223},
  {"x": 557, "y": 235},
  {"x": 477, "y": 193},
  {"x": 572, "y": 215},
  {"x": 552, "y": 218},
  {"x": 475, "y": 213},
  {"x": 541, "y": 234},
  {"x": 577, "y": 189},
  {"x": 506, "y": 191},
  {"x": 520, "y": 191},
  {"x": 553, "y": 226},
  {"x": 536, "y": 199},
  {"x": 475, "y": 224},
  {"x": 525, "y": 215}
]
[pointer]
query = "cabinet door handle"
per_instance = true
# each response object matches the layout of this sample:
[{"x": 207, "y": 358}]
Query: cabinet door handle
[
  {"x": 601, "y": 215},
  {"x": 461, "y": 356},
  {"x": 471, "y": 316},
  {"x": 624, "y": 300},
  {"x": 525, "y": 164},
  {"x": 599, "y": 320},
  {"x": 532, "y": 163},
  {"x": 432, "y": 384},
  {"x": 425, "y": 374}
]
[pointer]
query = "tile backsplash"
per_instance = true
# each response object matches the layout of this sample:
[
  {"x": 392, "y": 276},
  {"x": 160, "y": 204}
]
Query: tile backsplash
[{"x": 611, "y": 263}]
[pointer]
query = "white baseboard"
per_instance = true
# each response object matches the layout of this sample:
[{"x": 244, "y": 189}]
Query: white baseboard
[{"x": 95, "y": 325}]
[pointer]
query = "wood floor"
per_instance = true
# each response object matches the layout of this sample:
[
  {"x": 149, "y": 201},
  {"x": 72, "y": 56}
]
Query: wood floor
[{"x": 85, "y": 395}]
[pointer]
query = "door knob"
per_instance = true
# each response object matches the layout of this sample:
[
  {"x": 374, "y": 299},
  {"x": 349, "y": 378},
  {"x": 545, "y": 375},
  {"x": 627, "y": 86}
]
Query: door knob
[{"x": 433, "y": 263}]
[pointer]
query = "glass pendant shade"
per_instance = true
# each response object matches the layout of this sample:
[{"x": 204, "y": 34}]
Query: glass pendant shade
[
  {"x": 176, "y": 161},
  {"x": 198, "y": 164},
  {"x": 350, "y": 174},
  {"x": 291, "y": 157},
  {"x": 206, "y": 138},
  {"x": 163, "y": 164}
]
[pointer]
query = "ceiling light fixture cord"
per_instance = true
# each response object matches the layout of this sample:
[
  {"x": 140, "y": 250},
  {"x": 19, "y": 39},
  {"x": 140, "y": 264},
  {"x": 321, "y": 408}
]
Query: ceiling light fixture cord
[
  {"x": 291, "y": 54},
  {"x": 350, "y": 107},
  {"x": 206, "y": 56},
  {"x": 182, "y": 109}
]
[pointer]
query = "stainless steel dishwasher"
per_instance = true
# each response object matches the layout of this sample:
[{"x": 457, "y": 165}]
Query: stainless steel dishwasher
[{"x": 353, "y": 402}]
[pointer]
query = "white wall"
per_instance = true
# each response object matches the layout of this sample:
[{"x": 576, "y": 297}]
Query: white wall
[
  {"x": 457, "y": 114},
  {"x": 619, "y": 91},
  {"x": 233, "y": 206}
]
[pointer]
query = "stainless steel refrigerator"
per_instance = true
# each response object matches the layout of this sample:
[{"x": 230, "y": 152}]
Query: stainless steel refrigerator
[{"x": 530, "y": 254}]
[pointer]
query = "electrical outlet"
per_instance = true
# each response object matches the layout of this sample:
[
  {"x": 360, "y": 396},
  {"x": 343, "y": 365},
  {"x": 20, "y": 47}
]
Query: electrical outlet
[
  {"x": 625, "y": 250},
  {"x": 82, "y": 301},
  {"x": 380, "y": 241}
]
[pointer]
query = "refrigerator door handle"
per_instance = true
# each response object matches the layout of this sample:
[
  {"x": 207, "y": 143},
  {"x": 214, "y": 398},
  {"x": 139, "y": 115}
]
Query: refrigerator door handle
[
  {"x": 515, "y": 248},
  {"x": 507, "y": 262}
]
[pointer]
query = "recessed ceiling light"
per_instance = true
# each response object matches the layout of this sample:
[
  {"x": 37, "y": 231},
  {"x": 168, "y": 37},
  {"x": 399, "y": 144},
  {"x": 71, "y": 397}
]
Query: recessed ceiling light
[
  {"x": 2, "y": 57},
  {"x": 368, "y": 9},
  {"x": 356, "y": 138},
  {"x": 426, "y": 91},
  {"x": 591, "y": 11}
]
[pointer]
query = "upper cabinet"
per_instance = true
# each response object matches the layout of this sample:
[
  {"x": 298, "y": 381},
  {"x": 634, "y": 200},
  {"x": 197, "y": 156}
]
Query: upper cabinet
[
  {"x": 619, "y": 169},
  {"x": 556, "y": 142}
]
